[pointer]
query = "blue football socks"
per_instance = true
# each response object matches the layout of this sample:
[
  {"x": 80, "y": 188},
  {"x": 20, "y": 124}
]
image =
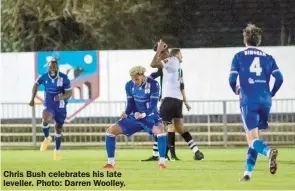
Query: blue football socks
[
  {"x": 110, "y": 147},
  {"x": 162, "y": 146},
  {"x": 46, "y": 130},
  {"x": 57, "y": 139},
  {"x": 260, "y": 147},
  {"x": 250, "y": 161}
]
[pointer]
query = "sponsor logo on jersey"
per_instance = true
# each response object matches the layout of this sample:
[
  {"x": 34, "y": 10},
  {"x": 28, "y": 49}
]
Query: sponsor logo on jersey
[
  {"x": 251, "y": 81},
  {"x": 260, "y": 81}
]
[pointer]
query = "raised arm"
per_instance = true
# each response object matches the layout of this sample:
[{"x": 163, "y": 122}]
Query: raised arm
[{"x": 156, "y": 62}]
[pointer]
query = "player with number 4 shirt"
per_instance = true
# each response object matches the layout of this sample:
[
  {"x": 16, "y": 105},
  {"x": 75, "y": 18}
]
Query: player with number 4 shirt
[{"x": 254, "y": 68}]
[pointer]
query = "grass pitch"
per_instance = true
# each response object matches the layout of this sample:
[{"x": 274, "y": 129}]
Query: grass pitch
[{"x": 220, "y": 170}]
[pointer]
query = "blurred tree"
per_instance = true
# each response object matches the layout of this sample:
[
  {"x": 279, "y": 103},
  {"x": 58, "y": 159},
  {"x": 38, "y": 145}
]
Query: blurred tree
[
  {"x": 40, "y": 25},
  {"x": 43, "y": 25},
  {"x": 218, "y": 23}
]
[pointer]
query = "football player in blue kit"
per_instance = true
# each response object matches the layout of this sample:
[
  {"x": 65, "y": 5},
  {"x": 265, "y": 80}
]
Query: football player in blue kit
[
  {"x": 57, "y": 92},
  {"x": 254, "y": 68},
  {"x": 141, "y": 114}
]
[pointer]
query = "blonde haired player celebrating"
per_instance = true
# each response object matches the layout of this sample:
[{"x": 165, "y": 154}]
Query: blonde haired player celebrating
[{"x": 141, "y": 114}]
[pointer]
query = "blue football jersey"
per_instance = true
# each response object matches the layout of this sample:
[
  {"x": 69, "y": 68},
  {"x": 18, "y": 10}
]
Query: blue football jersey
[
  {"x": 254, "y": 68},
  {"x": 53, "y": 86},
  {"x": 142, "y": 98}
]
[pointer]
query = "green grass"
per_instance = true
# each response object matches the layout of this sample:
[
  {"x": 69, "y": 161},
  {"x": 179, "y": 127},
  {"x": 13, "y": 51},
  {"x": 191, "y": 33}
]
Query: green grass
[{"x": 220, "y": 170}]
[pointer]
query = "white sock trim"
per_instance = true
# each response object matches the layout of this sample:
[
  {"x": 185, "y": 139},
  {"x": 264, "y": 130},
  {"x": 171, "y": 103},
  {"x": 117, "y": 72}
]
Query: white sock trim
[
  {"x": 57, "y": 135},
  {"x": 252, "y": 144},
  {"x": 190, "y": 142},
  {"x": 162, "y": 160},
  {"x": 195, "y": 149},
  {"x": 192, "y": 145},
  {"x": 249, "y": 173},
  {"x": 161, "y": 134},
  {"x": 110, "y": 135},
  {"x": 111, "y": 161},
  {"x": 45, "y": 127},
  {"x": 155, "y": 153}
]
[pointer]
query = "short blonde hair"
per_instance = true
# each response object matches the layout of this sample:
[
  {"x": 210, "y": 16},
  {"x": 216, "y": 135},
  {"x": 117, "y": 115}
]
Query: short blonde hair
[
  {"x": 137, "y": 70},
  {"x": 252, "y": 35}
]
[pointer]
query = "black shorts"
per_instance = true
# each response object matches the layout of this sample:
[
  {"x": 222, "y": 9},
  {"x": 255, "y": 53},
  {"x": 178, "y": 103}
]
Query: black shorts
[{"x": 171, "y": 108}]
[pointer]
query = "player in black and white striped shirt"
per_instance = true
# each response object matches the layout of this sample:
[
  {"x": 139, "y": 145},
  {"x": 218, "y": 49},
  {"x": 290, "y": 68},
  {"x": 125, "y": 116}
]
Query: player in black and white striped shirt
[{"x": 176, "y": 90}]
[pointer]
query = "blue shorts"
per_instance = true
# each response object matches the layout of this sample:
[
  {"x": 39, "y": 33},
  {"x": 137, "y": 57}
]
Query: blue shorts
[
  {"x": 255, "y": 115},
  {"x": 58, "y": 114},
  {"x": 130, "y": 125}
]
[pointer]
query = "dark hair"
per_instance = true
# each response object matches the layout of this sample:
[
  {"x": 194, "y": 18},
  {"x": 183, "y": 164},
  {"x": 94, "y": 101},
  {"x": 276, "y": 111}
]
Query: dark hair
[
  {"x": 252, "y": 35},
  {"x": 156, "y": 47},
  {"x": 174, "y": 51}
]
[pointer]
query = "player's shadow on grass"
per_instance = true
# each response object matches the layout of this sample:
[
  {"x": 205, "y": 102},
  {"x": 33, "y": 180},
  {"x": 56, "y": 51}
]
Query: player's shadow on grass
[
  {"x": 241, "y": 161},
  {"x": 132, "y": 160},
  {"x": 286, "y": 162},
  {"x": 215, "y": 161},
  {"x": 226, "y": 161}
]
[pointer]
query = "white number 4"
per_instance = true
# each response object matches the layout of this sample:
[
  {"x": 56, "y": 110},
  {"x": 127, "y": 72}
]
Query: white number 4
[{"x": 255, "y": 66}]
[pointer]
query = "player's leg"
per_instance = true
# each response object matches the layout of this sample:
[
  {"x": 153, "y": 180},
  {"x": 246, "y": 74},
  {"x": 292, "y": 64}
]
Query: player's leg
[
  {"x": 168, "y": 125},
  {"x": 166, "y": 115},
  {"x": 155, "y": 148},
  {"x": 251, "y": 118},
  {"x": 253, "y": 133},
  {"x": 110, "y": 142},
  {"x": 127, "y": 126},
  {"x": 155, "y": 154},
  {"x": 171, "y": 142},
  {"x": 251, "y": 157},
  {"x": 57, "y": 140},
  {"x": 155, "y": 125},
  {"x": 167, "y": 109},
  {"x": 46, "y": 118},
  {"x": 59, "y": 118},
  {"x": 264, "y": 111},
  {"x": 250, "y": 121},
  {"x": 159, "y": 131},
  {"x": 179, "y": 127}
]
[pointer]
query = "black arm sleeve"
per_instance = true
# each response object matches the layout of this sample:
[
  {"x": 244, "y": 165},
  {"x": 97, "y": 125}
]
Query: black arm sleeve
[
  {"x": 156, "y": 74},
  {"x": 181, "y": 86}
]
